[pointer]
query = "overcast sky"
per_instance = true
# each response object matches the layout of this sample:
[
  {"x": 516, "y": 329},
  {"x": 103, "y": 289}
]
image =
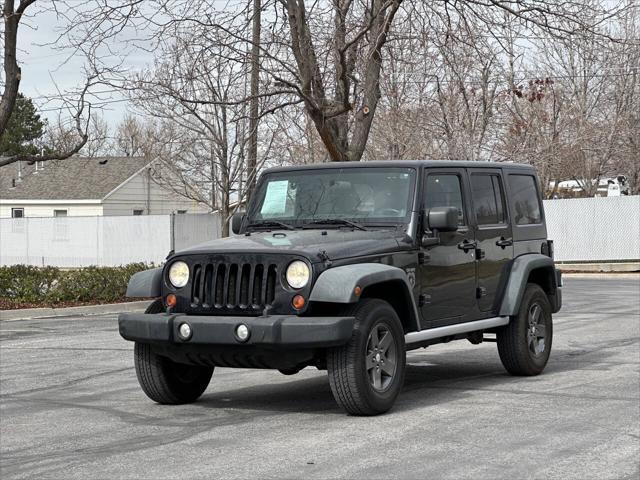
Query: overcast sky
[{"x": 45, "y": 68}]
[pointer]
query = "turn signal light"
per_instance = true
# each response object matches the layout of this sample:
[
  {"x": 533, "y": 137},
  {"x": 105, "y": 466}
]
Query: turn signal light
[
  {"x": 171, "y": 300},
  {"x": 298, "y": 302}
]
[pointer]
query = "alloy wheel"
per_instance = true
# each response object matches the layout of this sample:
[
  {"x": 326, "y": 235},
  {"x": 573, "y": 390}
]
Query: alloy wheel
[
  {"x": 381, "y": 357},
  {"x": 536, "y": 330}
]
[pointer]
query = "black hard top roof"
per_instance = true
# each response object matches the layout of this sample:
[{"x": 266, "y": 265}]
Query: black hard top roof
[{"x": 401, "y": 164}]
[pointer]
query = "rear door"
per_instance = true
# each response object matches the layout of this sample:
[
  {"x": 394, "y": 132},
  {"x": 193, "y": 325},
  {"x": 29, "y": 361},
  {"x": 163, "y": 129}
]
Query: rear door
[
  {"x": 493, "y": 234},
  {"x": 448, "y": 276}
]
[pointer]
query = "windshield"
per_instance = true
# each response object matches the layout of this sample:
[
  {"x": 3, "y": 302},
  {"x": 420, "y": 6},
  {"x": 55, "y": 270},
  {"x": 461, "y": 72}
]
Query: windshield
[{"x": 369, "y": 196}]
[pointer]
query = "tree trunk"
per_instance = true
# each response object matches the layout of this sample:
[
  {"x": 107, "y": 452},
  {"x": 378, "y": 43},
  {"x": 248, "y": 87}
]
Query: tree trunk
[
  {"x": 330, "y": 114},
  {"x": 11, "y": 69},
  {"x": 224, "y": 216}
]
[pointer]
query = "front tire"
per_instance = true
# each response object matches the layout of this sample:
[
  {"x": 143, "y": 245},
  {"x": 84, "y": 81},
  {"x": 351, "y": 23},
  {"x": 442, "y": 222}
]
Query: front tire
[
  {"x": 165, "y": 381},
  {"x": 367, "y": 373},
  {"x": 525, "y": 344}
]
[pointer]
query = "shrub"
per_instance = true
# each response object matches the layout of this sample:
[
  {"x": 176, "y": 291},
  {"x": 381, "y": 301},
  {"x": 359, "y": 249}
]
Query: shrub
[
  {"x": 26, "y": 283},
  {"x": 51, "y": 285}
]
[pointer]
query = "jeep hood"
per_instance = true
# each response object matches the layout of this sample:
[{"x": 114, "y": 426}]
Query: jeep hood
[{"x": 337, "y": 243}]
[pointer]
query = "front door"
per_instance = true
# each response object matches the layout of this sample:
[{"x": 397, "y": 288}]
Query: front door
[
  {"x": 493, "y": 235},
  {"x": 447, "y": 275}
]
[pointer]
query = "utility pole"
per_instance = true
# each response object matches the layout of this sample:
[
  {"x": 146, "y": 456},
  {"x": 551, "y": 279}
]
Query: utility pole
[{"x": 252, "y": 157}]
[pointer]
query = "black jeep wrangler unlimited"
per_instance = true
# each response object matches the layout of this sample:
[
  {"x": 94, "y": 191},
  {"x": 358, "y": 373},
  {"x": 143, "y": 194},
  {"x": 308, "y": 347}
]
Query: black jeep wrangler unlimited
[{"x": 346, "y": 267}]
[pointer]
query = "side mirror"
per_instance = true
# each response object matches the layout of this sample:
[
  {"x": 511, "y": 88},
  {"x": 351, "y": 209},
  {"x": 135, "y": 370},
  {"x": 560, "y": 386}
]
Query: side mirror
[
  {"x": 443, "y": 219},
  {"x": 236, "y": 222}
]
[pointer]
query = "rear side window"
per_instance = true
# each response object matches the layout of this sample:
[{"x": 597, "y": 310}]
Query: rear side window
[
  {"x": 524, "y": 200},
  {"x": 445, "y": 190},
  {"x": 488, "y": 199}
]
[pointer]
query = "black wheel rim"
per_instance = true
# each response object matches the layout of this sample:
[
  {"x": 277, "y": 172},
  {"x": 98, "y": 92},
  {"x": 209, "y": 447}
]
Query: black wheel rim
[
  {"x": 381, "y": 357},
  {"x": 536, "y": 330}
]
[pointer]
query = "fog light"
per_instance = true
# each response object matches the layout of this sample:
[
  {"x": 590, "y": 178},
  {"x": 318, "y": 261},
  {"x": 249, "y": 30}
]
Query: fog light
[
  {"x": 242, "y": 332},
  {"x": 184, "y": 331}
]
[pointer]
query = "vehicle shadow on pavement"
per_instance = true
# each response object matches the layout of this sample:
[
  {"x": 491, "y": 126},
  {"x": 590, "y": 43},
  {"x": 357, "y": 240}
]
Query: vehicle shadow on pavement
[
  {"x": 429, "y": 380},
  {"x": 424, "y": 385},
  {"x": 305, "y": 395}
]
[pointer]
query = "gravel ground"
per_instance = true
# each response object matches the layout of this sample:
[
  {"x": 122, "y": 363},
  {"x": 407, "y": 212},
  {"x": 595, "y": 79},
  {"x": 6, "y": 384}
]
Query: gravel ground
[{"x": 70, "y": 407}]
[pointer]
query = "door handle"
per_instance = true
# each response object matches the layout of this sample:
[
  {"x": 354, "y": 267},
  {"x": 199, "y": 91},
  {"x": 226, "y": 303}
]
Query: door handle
[
  {"x": 466, "y": 245},
  {"x": 504, "y": 242}
]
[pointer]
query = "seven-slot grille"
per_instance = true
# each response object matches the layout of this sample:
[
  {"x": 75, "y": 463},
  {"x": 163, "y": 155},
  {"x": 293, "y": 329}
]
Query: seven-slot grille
[{"x": 233, "y": 285}]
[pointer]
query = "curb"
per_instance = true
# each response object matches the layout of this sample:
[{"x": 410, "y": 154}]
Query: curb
[
  {"x": 603, "y": 275},
  {"x": 82, "y": 311},
  {"x": 602, "y": 267}
]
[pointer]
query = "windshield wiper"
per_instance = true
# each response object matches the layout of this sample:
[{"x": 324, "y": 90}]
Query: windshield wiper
[
  {"x": 271, "y": 223},
  {"x": 335, "y": 221}
]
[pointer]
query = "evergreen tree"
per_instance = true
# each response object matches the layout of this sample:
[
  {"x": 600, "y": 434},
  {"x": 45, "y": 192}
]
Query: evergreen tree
[{"x": 24, "y": 128}]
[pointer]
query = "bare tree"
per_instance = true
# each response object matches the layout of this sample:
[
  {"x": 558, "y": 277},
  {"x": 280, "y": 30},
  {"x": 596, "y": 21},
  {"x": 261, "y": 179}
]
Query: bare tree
[
  {"x": 12, "y": 73},
  {"x": 98, "y": 137},
  {"x": 340, "y": 89},
  {"x": 626, "y": 94},
  {"x": 197, "y": 89},
  {"x": 402, "y": 128},
  {"x": 79, "y": 108},
  {"x": 132, "y": 138},
  {"x": 422, "y": 79},
  {"x": 466, "y": 89},
  {"x": 573, "y": 119},
  {"x": 329, "y": 55}
]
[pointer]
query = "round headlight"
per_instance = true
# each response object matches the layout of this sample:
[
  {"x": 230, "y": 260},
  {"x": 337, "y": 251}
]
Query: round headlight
[
  {"x": 298, "y": 274},
  {"x": 179, "y": 274}
]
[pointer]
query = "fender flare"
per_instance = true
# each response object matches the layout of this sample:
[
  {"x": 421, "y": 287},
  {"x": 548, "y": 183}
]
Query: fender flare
[
  {"x": 521, "y": 267},
  {"x": 337, "y": 285},
  {"x": 147, "y": 283}
]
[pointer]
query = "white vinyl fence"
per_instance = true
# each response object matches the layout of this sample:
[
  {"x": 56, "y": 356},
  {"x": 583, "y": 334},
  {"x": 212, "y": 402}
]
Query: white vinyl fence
[
  {"x": 103, "y": 241},
  {"x": 594, "y": 229},
  {"x": 583, "y": 230}
]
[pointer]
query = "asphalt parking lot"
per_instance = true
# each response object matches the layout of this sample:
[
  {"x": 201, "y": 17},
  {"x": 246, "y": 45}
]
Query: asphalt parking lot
[{"x": 70, "y": 407}]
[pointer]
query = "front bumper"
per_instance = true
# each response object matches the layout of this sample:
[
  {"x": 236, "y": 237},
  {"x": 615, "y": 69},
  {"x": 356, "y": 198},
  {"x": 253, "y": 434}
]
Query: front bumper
[{"x": 272, "y": 330}]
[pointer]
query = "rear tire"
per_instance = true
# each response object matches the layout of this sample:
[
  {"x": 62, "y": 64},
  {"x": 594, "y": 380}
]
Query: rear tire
[
  {"x": 524, "y": 344},
  {"x": 165, "y": 381},
  {"x": 366, "y": 374}
]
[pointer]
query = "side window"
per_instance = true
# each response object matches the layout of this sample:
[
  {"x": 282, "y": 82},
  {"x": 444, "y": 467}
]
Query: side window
[
  {"x": 488, "y": 199},
  {"x": 445, "y": 190},
  {"x": 524, "y": 200}
]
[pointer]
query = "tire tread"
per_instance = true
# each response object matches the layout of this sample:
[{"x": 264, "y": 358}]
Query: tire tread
[
  {"x": 341, "y": 363},
  {"x": 514, "y": 353},
  {"x": 154, "y": 373}
]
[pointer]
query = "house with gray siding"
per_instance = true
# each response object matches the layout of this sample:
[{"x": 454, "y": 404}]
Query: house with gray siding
[{"x": 80, "y": 186}]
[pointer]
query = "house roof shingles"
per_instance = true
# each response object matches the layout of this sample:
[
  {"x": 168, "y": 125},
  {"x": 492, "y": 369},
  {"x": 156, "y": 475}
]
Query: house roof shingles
[{"x": 76, "y": 178}]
